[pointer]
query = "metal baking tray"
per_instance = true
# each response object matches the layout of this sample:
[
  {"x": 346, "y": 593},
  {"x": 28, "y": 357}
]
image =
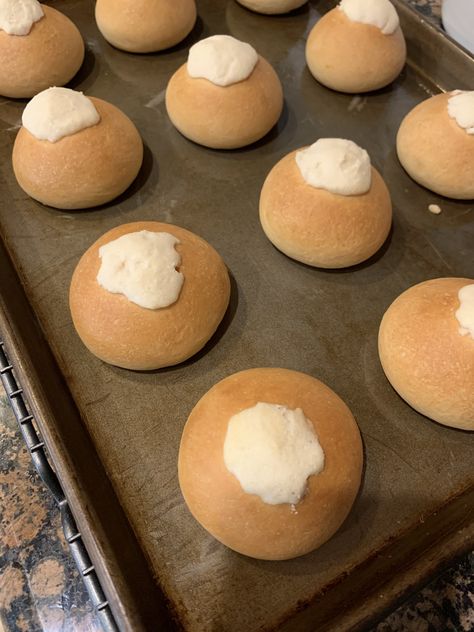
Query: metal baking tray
[{"x": 113, "y": 435}]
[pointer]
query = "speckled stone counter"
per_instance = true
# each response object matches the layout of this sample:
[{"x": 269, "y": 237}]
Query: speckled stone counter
[
  {"x": 40, "y": 590},
  {"x": 429, "y": 8}
]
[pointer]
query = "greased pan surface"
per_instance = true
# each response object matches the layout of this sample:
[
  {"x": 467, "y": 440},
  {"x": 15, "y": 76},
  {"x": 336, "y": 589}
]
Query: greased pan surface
[{"x": 282, "y": 313}]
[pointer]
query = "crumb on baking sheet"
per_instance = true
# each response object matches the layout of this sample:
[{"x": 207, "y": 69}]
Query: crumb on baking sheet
[{"x": 434, "y": 208}]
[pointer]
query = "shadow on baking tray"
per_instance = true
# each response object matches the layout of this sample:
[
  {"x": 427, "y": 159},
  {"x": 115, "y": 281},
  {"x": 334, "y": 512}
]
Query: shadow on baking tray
[
  {"x": 148, "y": 175},
  {"x": 273, "y": 36},
  {"x": 87, "y": 73},
  {"x": 199, "y": 31}
]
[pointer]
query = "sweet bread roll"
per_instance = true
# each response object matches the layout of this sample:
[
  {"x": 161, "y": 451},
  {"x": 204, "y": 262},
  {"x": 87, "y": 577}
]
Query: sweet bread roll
[
  {"x": 270, "y": 463},
  {"x": 48, "y": 52},
  {"x": 148, "y": 295},
  {"x": 339, "y": 219},
  {"x": 357, "y": 46},
  {"x": 145, "y": 26},
  {"x": 225, "y": 96},
  {"x": 436, "y": 148},
  {"x": 426, "y": 347},
  {"x": 272, "y": 7},
  {"x": 80, "y": 169}
]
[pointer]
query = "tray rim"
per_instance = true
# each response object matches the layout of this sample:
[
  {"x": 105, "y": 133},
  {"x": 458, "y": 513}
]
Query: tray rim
[{"x": 132, "y": 610}]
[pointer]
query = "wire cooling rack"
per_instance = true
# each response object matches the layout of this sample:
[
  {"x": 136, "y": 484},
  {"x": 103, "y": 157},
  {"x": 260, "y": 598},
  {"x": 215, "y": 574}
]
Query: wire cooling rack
[{"x": 37, "y": 450}]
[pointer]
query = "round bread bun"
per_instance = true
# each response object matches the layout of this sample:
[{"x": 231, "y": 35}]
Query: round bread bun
[
  {"x": 424, "y": 356},
  {"x": 353, "y": 57},
  {"x": 225, "y": 117},
  {"x": 435, "y": 151},
  {"x": 272, "y": 7},
  {"x": 86, "y": 169},
  {"x": 321, "y": 228},
  {"x": 242, "y": 521},
  {"x": 145, "y": 26},
  {"x": 50, "y": 55},
  {"x": 122, "y": 333}
]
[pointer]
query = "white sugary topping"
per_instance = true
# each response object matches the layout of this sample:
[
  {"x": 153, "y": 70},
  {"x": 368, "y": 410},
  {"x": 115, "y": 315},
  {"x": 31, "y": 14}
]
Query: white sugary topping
[
  {"x": 222, "y": 59},
  {"x": 18, "y": 16},
  {"x": 272, "y": 450},
  {"x": 380, "y": 13},
  {"x": 142, "y": 266},
  {"x": 465, "y": 313},
  {"x": 58, "y": 112},
  {"x": 461, "y": 109},
  {"x": 337, "y": 165}
]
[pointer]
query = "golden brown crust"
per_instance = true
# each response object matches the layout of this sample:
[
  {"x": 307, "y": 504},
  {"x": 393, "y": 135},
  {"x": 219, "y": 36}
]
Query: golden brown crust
[
  {"x": 321, "y": 228},
  {"x": 122, "y": 333},
  {"x": 242, "y": 521},
  {"x": 86, "y": 169},
  {"x": 50, "y": 55},
  {"x": 225, "y": 117},
  {"x": 353, "y": 57},
  {"x": 272, "y": 7},
  {"x": 425, "y": 358},
  {"x": 435, "y": 151},
  {"x": 145, "y": 26}
]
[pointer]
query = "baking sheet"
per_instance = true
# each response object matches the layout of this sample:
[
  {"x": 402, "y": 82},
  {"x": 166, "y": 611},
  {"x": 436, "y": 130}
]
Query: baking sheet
[{"x": 282, "y": 313}]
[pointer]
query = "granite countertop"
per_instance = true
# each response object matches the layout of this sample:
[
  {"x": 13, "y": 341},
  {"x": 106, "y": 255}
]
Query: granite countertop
[
  {"x": 430, "y": 8},
  {"x": 40, "y": 588}
]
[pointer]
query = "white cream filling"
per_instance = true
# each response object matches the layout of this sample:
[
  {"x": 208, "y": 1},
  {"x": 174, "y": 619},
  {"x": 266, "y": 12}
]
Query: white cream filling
[
  {"x": 58, "y": 112},
  {"x": 337, "y": 165},
  {"x": 465, "y": 313},
  {"x": 272, "y": 450},
  {"x": 461, "y": 109},
  {"x": 142, "y": 266},
  {"x": 18, "y": 16},
  {"x": 379, "y": 13},
  {"x": 221, "y": 59}
]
